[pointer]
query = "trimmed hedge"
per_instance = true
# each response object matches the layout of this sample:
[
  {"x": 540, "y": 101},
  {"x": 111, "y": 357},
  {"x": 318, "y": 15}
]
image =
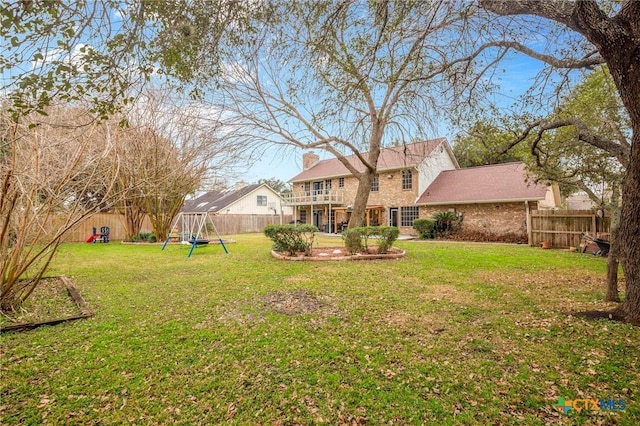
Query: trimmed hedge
[
  {"x": 291, "y": 239},
  {"x": 356, "y": 240}
]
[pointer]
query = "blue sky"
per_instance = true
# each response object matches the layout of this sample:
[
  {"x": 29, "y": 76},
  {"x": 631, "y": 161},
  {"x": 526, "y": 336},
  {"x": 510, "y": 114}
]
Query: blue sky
[{"x": 284, "y": 163}]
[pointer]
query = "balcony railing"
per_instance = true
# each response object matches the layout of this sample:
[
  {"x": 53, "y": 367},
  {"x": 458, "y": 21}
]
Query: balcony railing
[{"x": 324, "y": 196}]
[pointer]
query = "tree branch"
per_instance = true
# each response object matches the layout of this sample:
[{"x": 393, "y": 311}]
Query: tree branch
[
  {"x": 588, "y": 62},
  {"x": 621, "y": 152}
]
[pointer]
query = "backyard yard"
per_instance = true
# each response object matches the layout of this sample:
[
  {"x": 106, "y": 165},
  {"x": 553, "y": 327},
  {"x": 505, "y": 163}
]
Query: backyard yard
[{"x": 454, "y": 333}]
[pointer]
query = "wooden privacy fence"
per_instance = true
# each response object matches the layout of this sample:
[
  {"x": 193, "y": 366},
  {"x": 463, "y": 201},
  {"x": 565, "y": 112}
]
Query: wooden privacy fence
[
  {"x": 564, "y": 228},
  {"x": 225, "y": 224},
  {"x": 114, "y": 221}
]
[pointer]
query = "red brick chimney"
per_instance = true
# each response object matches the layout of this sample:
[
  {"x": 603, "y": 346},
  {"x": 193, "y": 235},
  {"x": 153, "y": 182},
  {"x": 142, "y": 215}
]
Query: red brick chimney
[{"x": 309, "y": 159}]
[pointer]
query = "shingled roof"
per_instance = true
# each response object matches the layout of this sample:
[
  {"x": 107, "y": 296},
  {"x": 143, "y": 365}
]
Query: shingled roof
[
  {"x": 396, "y": 157},
  {"x": 214, "y": 201},
  {"x": 483, "y": 184}
]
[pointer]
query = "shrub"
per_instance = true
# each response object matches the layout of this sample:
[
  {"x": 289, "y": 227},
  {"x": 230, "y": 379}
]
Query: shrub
[
  {"x": 426, "y": 228},
  {"x": 388, "y": 235},
  {"x": 447, "y": 221},
  {"x": 357, "y": 239},
  {"x": 483, "y": 235},
  {"x": 352, "y": 240},
  {"x": 291, "y": 239},
  {"x": 144, "y": 236}
]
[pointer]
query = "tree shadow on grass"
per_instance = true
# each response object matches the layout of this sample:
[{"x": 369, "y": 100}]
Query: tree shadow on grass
[{"x": 599, "y": 315}]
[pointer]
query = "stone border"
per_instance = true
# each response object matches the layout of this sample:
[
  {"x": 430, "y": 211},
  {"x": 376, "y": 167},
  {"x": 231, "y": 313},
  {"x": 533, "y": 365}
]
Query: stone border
[
  {"x": 358, "y": 256},
  {"x": 73, "y": 293}
]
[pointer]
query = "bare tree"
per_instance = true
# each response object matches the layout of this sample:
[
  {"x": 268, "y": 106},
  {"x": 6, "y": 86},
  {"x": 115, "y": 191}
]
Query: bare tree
[
  {"x": 607, "y": 36},
  {"x": 346, "y": 78},
  {"x": 50, "y": 168},
  {"x": 170, "y": 150}
]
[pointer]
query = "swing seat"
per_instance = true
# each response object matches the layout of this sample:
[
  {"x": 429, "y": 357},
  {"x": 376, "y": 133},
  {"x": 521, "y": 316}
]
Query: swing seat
[{"x": 200, "y": 242}]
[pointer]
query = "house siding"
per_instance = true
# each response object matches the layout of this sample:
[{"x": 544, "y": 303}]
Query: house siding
[
  {"x": 249, "y": 204},
  {"x": 438, "y": 161}
]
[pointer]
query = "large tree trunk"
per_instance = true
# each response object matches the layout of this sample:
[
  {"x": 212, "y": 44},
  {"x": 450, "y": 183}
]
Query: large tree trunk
[
  {"x": 360, "y": 202},
  {"x": 612, "y": 276},
  {"x": 629, "y": 232},
  {"x": 366, "y": 177},
  {"x": 613, "y": 294},
  {"x": 624, "y": 64}
]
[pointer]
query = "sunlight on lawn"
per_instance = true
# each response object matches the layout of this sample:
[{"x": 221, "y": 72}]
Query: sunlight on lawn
[{"x": 453, "y": 334}]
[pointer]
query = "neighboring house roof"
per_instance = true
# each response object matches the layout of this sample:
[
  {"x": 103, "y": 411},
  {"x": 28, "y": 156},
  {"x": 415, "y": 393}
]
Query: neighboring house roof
[
  {"x": 580, "y": 201},
  {"x": 215, "y": 201},
  {"x": 483, "y": 184},
  {"x": 396, "y": 157}
]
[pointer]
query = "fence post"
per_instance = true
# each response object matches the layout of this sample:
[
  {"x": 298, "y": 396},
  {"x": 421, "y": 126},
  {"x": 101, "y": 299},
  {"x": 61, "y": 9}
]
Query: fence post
[{"x": 529, "y": 231}]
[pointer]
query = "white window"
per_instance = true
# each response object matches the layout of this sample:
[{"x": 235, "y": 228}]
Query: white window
[
  {"x": 408, "y": 215},
  {"x": 407, "y": 179},
  {"x": 262, "y": 200},
  {"x": 375, "y": 184}
]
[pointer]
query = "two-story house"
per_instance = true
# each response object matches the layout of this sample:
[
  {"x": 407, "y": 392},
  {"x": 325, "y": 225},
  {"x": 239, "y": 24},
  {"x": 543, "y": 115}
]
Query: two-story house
[
  {"x": 414, "y": 181},
  {"x": 324, "y": 191}
]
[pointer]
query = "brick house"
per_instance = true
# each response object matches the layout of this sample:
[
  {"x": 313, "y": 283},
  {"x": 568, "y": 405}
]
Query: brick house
[
  {"x": 494, "y": 198},
  {"x": 414, "y": 181},
  {"x": 324, "y": 191}
]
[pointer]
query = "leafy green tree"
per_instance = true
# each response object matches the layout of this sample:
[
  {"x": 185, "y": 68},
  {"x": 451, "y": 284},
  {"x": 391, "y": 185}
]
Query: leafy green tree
[
  {"x": 103, "y": 52},
  {"x": 590, "y": 33},
  {"x": 486, "y": 143},
  {"x": 277, "y": 185},
  {"x": 560, "y": 155}
]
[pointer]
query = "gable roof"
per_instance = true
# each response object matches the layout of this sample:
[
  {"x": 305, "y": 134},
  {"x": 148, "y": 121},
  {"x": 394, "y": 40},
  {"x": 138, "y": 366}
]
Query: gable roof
[
  {"x": 396, "y": 157},
  {"x": 215, "y": 201},
  {"x": 483, "y": 184}
]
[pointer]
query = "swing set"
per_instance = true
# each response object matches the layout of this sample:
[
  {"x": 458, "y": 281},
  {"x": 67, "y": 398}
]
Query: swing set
[{"x": 195, "y": 230}]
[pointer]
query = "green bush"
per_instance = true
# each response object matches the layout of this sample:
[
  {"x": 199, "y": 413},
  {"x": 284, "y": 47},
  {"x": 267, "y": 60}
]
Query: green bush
[
  {"x": 426, "y": 228},
  {"x": 352, "y": 240},
  {"x": 357, "y": 239},
  {"x": 444, "y": 221},
  {"x": 291, "y": 239},
  {"x": 388, "y": 235},
  {"x": 144, "y": 237},
  {"x": 447, "y": 222}
]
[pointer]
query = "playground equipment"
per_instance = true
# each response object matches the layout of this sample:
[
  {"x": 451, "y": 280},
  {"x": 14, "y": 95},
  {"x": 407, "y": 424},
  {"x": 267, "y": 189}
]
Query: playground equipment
[
  {"x": 195, "y": 228},
  {"x": 103, "y": 236}
]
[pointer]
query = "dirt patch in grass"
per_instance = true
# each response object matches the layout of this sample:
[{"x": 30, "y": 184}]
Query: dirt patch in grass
[
  {"x": 446, "y": 292},
  {"x": 287, "y": 302},
  {"x": 298, "y": 302}
]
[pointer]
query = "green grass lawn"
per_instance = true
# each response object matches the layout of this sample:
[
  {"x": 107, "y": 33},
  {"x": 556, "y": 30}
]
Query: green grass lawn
[{"x": 452, "y": 334}]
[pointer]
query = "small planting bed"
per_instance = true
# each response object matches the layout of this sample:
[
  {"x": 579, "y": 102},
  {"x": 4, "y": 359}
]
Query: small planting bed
[
  {"x": 340, "y": 253},
  {"x": 55, "y": 300}
]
